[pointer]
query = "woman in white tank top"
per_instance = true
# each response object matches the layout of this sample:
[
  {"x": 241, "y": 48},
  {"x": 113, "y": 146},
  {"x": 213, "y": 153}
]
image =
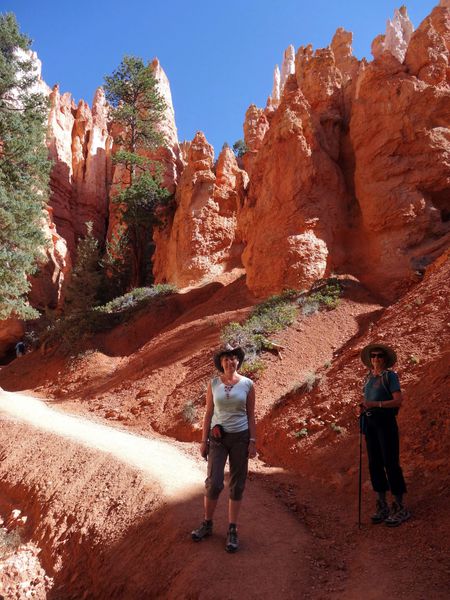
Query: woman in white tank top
[{"x": 228, "y": 432}]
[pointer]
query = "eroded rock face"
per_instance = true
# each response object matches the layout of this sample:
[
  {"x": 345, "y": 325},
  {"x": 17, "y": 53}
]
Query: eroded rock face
[
  {"x": 256, "y": 125},
  {"x": 280, "y": 78},
  {"x": 79, "y": 145},
  {"x": 91, "y": 152},
  {"x": 428, "y": 53},
  {"x": 353, "y": 170},
  {"x": 201, "y": 241},
  {"x": 341, "y": 46},
  {"x": 48, "y": 287},
  {"x": 170, "y": 155},
  {"x": 399, "y": 131},
  {"x": 287, "y": 66},
  {"x": 398, "y": 34},
  {"x": 59, "y": 140},
  {"x": 289, "y": 219}
]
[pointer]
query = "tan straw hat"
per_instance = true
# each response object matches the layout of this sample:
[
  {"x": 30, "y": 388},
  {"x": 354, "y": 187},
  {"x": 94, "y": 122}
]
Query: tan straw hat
[{"x": 391, "y": 356}]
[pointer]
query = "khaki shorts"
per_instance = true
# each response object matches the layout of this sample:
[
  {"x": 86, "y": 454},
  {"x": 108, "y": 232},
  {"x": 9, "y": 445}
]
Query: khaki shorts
[{"x": 235, "y": 447}]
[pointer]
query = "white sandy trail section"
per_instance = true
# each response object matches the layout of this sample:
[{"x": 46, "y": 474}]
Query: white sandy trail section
[{"x": 174, "y": 471}]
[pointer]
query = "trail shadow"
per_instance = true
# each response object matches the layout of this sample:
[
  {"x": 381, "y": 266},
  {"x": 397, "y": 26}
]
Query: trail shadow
[{"x": 156, "y": 558}]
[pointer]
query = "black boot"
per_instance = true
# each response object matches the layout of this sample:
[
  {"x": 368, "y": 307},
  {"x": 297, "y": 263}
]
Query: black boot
[
  {"x": 205, "y": 530},
  {"x": 232, "y": 539}
]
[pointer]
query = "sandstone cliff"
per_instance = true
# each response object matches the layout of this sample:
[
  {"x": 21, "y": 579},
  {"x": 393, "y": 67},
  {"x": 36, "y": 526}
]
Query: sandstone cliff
[
  {"x": 347, "y": 170},
  {"x": 349, "y": 162},
  {"x": 400, "y": 136},
  {"x": 201, "y": 241}
]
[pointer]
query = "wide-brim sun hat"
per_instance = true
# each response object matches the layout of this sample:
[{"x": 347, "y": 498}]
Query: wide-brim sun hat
[
  {"x": 391, "y": 356},
  {"x": 228, "y": 349}
]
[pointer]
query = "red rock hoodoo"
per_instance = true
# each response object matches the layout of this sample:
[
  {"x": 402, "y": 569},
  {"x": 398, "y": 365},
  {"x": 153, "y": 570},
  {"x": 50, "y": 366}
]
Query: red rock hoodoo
[
  {"x": 201, "y": 241},
  {"x": 347, "y": 170}
]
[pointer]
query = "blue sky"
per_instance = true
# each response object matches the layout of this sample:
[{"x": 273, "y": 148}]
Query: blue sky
[{"x": 219, "y": 56}]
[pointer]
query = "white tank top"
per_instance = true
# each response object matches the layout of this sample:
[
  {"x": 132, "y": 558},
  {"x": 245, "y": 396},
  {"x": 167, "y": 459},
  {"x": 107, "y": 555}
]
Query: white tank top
[{"x": 230, "y": 404}]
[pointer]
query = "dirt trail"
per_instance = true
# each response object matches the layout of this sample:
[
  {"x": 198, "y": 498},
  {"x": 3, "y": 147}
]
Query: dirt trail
[
  {"x": 113, "y": 512},
  {"x": 173, "y": 470},
  {"x": 111, "y": 530}
]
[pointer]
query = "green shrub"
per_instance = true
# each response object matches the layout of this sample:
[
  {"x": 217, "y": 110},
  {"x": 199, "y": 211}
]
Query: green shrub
[
  {"x": 274, "y": 301},
  {"x": 9, "y": 542},
  {"x": 137, "y": 297},
  {"x": 253, "y": 368},
  {"x": 309, "y": 308},
  {"x": 272, "y": 315},
  {"x": 73, "y": 329},
  {"x": 328, "y": 295},
  {"x": 275, "y": 314},
  {"x": 311, "y": 380},
  {"x": 337, "y": 428},
  {"x": 302, "y": 433},
  {"x": 239, "y": 148},
  {"x": 190, "y": 412}
]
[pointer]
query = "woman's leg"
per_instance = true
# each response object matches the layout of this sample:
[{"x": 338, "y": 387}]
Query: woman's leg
[
  {"x": 213, "y": 486},
  {"x": 390, "y": 448},
  {"x": 238, "y": 448},
  {"x": 210, "y": 507},
  {"x": 217, "y": 458},
  {"x": 234, "y": 507},
  {"x": 375, "y": 456}
]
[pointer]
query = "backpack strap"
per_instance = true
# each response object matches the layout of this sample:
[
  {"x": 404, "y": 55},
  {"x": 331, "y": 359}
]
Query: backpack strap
[{"x": 385, "y": 381}]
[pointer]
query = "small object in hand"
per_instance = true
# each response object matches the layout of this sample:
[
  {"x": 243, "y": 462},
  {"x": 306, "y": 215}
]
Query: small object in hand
[{"x": 217, "y": 432}]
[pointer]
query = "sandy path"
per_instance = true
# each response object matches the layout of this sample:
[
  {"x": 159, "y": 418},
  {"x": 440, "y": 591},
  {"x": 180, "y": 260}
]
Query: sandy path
[
  {"x": 124, "y": 532},
  {"x": 174, "y": 471}
]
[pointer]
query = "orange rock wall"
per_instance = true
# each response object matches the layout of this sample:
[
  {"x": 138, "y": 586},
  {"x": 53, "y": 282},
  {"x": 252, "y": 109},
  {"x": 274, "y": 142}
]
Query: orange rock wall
[
  {"x": 352, "y": 171},
  {"x": 201, "y": 241}
]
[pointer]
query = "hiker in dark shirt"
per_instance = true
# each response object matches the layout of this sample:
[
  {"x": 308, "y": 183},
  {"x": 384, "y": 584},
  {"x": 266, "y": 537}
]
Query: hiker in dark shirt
[
  {"x": 20, "y": 349},
  {"x": 382, "y": 400}
]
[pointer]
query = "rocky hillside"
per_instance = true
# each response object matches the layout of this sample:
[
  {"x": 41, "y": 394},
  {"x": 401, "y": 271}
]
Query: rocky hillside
[
  {"x": 146, "y": 377},
  {"x": 347, "y": 172}
]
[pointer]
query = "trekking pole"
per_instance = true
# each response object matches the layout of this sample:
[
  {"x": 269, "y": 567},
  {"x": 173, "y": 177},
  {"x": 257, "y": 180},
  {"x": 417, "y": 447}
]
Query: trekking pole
[
  {"x": 361, "y": 427},
  {"x": 360, "y": 475}
]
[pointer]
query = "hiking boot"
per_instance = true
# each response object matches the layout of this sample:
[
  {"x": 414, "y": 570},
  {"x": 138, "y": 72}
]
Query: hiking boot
[
  {"x": 204, "y": 531},
  {"x": 381, "y": 512},
  {"x": 399, "y": 514},
  {"x": 232, "y": 540}
]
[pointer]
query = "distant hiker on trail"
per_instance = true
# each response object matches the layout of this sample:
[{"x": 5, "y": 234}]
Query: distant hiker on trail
[
  {"x": 382, "y": 399},
  {"x": 20, "y": 349},
  {"x": 228, "y": 432}
]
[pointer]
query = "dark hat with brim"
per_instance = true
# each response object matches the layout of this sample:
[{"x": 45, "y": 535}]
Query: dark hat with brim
[
  {"x": 391, "y": 356},
  {"x": 238, "y": 352}
]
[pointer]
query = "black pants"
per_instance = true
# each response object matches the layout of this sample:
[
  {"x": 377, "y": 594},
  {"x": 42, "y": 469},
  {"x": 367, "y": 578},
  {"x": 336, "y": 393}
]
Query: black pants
[{"x": 383, "y": 450}]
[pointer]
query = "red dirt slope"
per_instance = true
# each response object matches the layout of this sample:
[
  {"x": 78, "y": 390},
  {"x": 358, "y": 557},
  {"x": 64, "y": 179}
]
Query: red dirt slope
[{"x": 150, "y": 389}]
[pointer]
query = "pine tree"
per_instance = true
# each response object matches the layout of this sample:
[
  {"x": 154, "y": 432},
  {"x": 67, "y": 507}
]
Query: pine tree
[
  {"x": 240, "y": 148},
  {"x": 138, "y": 108},
  {"x": 82, "y": 291},
  {"x": 115, "y": 265},
  {"x": 24, "y": 170}
]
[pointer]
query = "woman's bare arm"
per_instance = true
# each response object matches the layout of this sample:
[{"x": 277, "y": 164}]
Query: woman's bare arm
[
  {"x": 396, "y": 402},
  {"x": 207, "y": 421},
  {"x": 251, "y": 399}
]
